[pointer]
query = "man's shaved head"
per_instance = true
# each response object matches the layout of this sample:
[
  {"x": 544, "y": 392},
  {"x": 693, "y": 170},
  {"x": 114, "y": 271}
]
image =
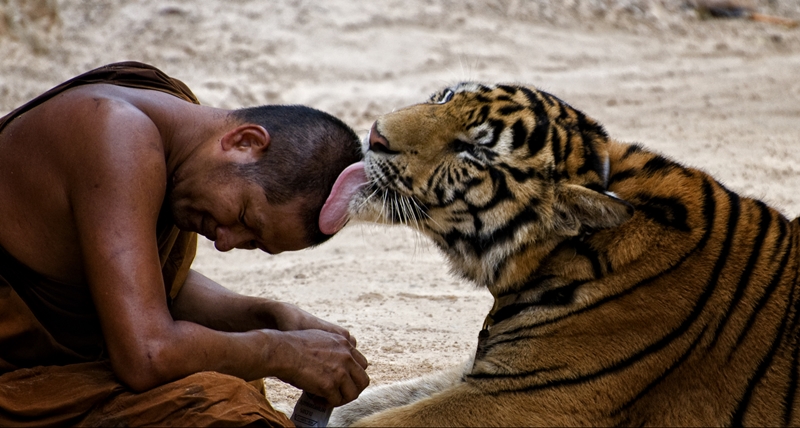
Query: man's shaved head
[{"x": 307, "y": 151}]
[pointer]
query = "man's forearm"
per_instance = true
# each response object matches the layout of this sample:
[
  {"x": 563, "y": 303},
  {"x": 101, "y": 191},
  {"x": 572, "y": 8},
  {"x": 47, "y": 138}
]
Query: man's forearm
[
  {"x": 322, "y": 363},
  {"x": 207, "y": 303},
  {"x": 188, "y": 348}
]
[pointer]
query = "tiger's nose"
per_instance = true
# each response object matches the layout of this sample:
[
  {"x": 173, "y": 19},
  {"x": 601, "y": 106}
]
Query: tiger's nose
[{"x": 377, "y": 142}]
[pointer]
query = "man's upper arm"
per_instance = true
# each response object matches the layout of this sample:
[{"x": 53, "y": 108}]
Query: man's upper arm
[{"x": 116, "y": 187}]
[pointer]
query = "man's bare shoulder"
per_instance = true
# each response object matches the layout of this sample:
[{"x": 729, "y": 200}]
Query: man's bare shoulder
[
  {"x": 95, "y": 125},
  {"x": 86, "y": 150}
]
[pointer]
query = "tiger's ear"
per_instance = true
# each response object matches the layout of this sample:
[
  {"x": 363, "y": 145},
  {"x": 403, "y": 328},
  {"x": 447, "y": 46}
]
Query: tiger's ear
[{"x": 578, "y": 208}]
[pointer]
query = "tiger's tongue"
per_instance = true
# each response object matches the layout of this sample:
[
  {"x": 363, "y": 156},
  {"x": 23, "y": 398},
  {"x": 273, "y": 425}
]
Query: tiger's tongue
[{"x": 334, "y": 213}]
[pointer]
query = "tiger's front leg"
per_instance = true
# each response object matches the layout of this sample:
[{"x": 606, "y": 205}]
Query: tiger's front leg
[{"x": 390, "y": 396}]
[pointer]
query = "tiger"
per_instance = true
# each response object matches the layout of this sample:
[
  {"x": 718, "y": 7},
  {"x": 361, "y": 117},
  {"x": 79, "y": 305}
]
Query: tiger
[{"x": 628, "y": 289}]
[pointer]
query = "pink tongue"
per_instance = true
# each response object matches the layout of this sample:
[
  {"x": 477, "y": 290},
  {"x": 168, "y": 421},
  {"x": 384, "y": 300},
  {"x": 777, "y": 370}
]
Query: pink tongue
[{"x": 334, "y": 213}]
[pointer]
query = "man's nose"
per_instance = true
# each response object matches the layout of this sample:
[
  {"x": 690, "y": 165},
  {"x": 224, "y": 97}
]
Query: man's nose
[{"x": 228, "y": 239}]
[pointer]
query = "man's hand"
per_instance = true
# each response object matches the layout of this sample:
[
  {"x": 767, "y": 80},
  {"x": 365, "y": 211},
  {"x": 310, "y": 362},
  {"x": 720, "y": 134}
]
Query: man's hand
[
  {"x": 289, "y": 317},
  {"x": 324, "y": 364}
]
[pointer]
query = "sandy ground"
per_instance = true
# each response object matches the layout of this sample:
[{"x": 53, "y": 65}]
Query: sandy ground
[{"x": 720, "y": 95}]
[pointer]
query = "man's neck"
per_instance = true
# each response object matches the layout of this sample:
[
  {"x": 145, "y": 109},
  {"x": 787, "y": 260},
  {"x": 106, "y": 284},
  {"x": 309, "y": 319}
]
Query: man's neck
[{"x": 191, "y": 136}]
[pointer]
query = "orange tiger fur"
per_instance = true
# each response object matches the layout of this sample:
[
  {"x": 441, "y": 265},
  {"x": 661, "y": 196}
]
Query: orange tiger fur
[{"x": 629, "y": 289}]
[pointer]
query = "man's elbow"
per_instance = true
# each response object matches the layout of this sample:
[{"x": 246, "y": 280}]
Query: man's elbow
[{"x": 144, "y": 370}]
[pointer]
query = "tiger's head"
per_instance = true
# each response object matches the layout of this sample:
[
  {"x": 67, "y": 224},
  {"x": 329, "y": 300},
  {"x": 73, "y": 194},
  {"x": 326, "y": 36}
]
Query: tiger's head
[{"x": 497, "y": 176}]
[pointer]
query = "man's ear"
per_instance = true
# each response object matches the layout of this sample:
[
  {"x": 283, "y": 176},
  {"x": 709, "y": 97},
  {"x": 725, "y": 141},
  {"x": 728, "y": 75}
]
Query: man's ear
[
  {"x": 578, "y": 208},
  {"x": 246, "y": 142}
]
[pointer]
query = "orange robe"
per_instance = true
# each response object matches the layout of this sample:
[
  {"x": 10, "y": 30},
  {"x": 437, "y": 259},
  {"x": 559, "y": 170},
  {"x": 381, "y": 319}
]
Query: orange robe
[{"x": 53, "y": 362}]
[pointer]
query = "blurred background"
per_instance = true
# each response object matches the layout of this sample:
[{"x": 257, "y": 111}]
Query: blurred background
[{"x": 714, "y": 84}]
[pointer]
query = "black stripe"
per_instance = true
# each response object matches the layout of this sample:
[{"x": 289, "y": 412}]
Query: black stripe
[
  {"x": 792, "y": 391},
  {"x": 497, "y": 128},
  {"x": 407, "y": 180},
  {"x": 591, "y": 160},
  {"x": 622, "y": 175},
  {"x": 520, "y": 134},
  {"x": 656, "y": 164},
  {"x": 481, "y": 117},
  {"x": 507, "y": 232},
  {"x": 538, "y": 138},
  {"x": 633, "y": 148},
  {"x": 482, "y": 99},
  {"x": 519, "y": 375},
  {"x": 533, "y": 99},
  {"x": 435, "y": 178},
  {"x": 794, "y": 375},
  {"x": 470, "y": 116},
  {"x": 480, "y": 244},
  {"x": 563, "y": 108},
  {"x": 475, "y": 163},
  {"x": 773, "y": 284},
  {"x": 555, "y": 144},
  {"x": 456, "y": 195},
  {"x": 741, "y": 408},
  {"x": 664, "y": 375},
  {"x": 669, "y": 212},
  {"x": 763, "y": 223},
  {"x": 511, "y": 90},
  {"x": 529, "y": 284},
  {"x": 501, "y": 190},
  {"x": 559, "y": 296},
  {"x": 588, "y": 125},
  {"x": 517, "y": 174},
  {"x": 548, "y": 99},
  {"x": 567, "y": 150},
  {"x": 509, "y": 109}
]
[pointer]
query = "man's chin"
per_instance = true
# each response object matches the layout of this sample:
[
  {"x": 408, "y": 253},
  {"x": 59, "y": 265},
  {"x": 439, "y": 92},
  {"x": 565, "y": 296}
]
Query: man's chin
[{"x": 182, "y": 220}]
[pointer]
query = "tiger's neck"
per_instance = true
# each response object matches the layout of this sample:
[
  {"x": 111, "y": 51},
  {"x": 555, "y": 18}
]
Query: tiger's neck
[
  {"x": 510, "y": 258},
  {"x": 667, "y": 224}
]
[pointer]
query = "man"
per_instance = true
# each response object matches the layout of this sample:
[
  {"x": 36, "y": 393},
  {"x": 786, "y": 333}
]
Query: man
[{"x": 103, "y": 182}]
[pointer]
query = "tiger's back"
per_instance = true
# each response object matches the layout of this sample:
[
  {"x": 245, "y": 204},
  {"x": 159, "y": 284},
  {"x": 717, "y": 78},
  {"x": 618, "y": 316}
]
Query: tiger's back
[{"x": 628, "y": 288}]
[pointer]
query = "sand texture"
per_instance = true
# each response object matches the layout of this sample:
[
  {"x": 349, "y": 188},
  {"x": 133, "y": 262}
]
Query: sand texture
[{"x": 721, "y": 95}]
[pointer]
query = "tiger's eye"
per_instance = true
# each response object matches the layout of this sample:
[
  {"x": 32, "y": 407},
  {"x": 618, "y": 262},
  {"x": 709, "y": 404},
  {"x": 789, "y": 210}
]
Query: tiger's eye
[{"x": 447, "y": 96}]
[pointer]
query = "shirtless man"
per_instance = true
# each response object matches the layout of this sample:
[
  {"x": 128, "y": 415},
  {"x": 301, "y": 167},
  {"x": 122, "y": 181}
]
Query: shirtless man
[{"x": 103, "y": 182}]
